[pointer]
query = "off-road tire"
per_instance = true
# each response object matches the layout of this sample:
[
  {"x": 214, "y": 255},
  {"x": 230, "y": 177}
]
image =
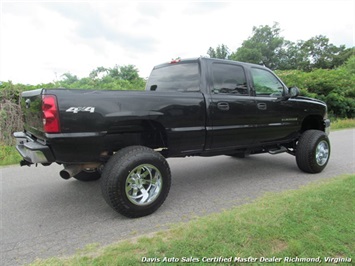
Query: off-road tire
[
  {"x": 313, "y": 151},
  {"x": 120, "y": 170}
]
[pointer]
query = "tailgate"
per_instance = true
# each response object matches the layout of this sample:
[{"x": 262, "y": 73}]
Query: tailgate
[{"x": 31, "y": 104}]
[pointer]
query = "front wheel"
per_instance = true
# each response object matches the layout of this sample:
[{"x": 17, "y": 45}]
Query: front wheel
[
  {"x": 136, "y": 181},
  {"x": 313, "y": 151}
]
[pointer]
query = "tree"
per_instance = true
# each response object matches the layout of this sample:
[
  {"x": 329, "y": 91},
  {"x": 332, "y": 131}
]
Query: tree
[
  {"x": 320, "y": 52},
  {"x": 343, "y": 55},
  {"x": 128, "y": 72},
  {"x": 291, "y": 56},
  {"x": 221, "y": 52},
  {"x": 69, "y": 78},
  {"x": 263, "y": 47},
  {"x": 267, "y": 47},
  {"x": 349, "y": 66},
  {"x": 98, "y": 73},
  {"x": 114, "y": 72},
  {"x": 314, "y": 53}
]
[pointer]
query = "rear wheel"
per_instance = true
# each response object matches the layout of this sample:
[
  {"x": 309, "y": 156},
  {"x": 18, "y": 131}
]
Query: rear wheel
[
  {"x": 313, "y": 151},
  {"x": 136, "y": 181}
]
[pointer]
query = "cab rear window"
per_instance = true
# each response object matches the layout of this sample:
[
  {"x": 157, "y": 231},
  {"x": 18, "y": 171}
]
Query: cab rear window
[{"x": 181, "y": 77}]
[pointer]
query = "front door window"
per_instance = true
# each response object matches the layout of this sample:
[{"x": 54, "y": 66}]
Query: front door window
[{"x": 266, "y": 84}]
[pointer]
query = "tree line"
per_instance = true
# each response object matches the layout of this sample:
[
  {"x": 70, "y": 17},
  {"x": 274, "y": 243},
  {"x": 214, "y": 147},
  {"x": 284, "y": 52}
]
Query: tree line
[{"x": 266, "y": 47}]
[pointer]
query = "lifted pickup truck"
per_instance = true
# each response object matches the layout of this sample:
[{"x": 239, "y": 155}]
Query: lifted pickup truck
[{"x": 192, "y": 107}]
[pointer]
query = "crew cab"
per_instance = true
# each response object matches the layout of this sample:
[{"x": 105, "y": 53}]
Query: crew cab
[{"x": 191, "y": 107}]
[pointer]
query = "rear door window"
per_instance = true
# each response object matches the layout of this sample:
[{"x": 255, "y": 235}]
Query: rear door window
[
  {"x": 182, "y": 77},
  {"x": 229, "y": 79}
]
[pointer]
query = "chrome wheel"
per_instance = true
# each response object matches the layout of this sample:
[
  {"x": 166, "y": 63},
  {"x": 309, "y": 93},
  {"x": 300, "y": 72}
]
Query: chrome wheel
[
  {"x": 143, "y": 184},
  {"x": 322, "y": 153}
]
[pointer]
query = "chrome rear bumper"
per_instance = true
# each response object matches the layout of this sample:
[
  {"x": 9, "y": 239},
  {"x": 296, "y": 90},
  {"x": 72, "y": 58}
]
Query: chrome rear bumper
[{"x": 31, "y": 150}]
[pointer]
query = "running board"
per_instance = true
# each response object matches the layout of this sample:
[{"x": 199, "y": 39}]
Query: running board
[{"x": 277, "y": 151}]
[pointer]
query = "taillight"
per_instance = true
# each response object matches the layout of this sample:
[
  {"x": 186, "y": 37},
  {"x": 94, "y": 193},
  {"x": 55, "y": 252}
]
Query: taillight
[{"x": 50, "y": 114}]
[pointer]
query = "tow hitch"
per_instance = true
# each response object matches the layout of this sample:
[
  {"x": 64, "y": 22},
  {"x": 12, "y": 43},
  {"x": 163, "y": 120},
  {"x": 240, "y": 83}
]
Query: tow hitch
[{"x": 24, "y": 162}]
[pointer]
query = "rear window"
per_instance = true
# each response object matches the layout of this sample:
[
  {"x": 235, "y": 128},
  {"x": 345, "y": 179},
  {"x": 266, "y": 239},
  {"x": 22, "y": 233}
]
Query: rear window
[{"x": 178, "y": 77}]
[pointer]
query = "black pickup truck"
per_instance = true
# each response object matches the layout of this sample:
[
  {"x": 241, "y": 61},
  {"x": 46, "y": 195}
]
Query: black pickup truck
[{"x": 192, "y": 107}]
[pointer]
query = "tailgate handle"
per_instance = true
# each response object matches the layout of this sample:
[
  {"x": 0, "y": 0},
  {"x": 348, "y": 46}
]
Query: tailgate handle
[{"x": 224, "y": 106}]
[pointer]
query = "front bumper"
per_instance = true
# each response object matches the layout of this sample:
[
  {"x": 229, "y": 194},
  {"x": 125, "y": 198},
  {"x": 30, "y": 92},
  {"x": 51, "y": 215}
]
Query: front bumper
[
  {"x": 327, "y": 126},
  {"x": 32, "y": 151}
]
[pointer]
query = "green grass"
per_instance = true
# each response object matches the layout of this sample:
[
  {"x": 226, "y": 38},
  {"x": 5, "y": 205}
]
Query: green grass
[
  {"x": 314, "y": 221},
  {"x": 9, "y": 155},
  {"x": 342, "y": 124}
]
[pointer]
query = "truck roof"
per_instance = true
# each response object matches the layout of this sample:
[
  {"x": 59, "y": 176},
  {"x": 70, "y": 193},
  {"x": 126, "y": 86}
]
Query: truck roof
[{"x": 196, "y": 59}]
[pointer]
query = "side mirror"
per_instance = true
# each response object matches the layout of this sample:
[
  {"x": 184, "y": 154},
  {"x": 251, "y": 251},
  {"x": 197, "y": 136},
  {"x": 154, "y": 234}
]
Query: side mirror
[{"x": 293, "y": 92}]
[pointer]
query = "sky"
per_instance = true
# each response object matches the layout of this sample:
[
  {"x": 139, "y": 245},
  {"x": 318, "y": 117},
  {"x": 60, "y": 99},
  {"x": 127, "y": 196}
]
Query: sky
[{"x": 42, "y": 40}]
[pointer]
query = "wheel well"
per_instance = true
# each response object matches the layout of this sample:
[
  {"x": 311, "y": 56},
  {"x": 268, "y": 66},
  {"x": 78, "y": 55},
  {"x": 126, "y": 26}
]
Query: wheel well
[
  {"x": 154, "y": 135},
  {"x": 313, "y": 122}
]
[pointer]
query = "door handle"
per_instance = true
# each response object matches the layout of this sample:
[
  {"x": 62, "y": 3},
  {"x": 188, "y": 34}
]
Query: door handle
[
  {"x": 223, "y": 106},
  {"x": 262, "y": 106}
]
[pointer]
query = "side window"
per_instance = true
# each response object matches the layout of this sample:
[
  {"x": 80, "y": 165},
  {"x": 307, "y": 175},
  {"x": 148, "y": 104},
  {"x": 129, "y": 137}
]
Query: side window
[
  {"x": 228, "y": 78},
  {"x": 265, "y": 83},
  {"x": 180, "y": 77}
]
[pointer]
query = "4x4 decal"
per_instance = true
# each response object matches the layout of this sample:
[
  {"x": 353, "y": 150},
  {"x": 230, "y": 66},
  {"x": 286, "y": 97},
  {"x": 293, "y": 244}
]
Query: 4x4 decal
[{"x": 76, "y": 110}]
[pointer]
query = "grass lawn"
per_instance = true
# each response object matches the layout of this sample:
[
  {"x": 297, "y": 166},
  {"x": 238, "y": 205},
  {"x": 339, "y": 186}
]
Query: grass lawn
[
  {"x": 342, "y": 124},
  {"x": 9, "y": 155},
  {"x": 312, "y": 224}
]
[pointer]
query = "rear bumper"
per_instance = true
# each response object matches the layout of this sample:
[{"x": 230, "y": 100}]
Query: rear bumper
[{"x": 31, "y": 150}]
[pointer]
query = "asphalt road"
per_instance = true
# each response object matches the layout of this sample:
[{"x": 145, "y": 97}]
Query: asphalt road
[{"x": 43, "y": 215}]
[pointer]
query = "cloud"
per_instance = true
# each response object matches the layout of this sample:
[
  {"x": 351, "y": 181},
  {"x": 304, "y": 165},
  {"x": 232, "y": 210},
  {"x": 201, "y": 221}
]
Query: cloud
[
  {"x": 151, "y": 9},
  {"x": 205, "y": 7},
  {"x": 93, "y": 25},
  {"x": 39, "y": 39}
]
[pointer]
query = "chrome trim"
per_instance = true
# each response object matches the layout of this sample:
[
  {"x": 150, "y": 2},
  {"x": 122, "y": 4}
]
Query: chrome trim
[
  {"x": 143, "y": 184},
  {"x": 29, "y": 149},
  {"x": 322, "y": 153}
]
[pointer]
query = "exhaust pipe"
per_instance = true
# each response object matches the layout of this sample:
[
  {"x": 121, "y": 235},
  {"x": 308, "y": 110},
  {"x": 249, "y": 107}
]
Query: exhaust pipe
[
  {"x": 70, "y": 171},
  {"x": 74, "y": 169}
]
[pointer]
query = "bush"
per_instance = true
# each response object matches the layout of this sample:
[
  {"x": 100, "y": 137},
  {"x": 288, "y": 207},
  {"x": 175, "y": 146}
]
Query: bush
[
  {"x": 10, "y": 112},
  {"x": 336, "y": 87}
]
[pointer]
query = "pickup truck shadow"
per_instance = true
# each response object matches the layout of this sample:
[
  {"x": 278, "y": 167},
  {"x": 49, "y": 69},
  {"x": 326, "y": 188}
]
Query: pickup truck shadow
[
  {"x": 199, "y": 185},
  {"x": 73, "y": 197},
  {"x": 205, "y": 185}
]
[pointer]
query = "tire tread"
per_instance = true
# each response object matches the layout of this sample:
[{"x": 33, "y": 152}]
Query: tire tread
[
  {"x": 110, "y": 184},
  {"x": 305, "y": 151}
]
